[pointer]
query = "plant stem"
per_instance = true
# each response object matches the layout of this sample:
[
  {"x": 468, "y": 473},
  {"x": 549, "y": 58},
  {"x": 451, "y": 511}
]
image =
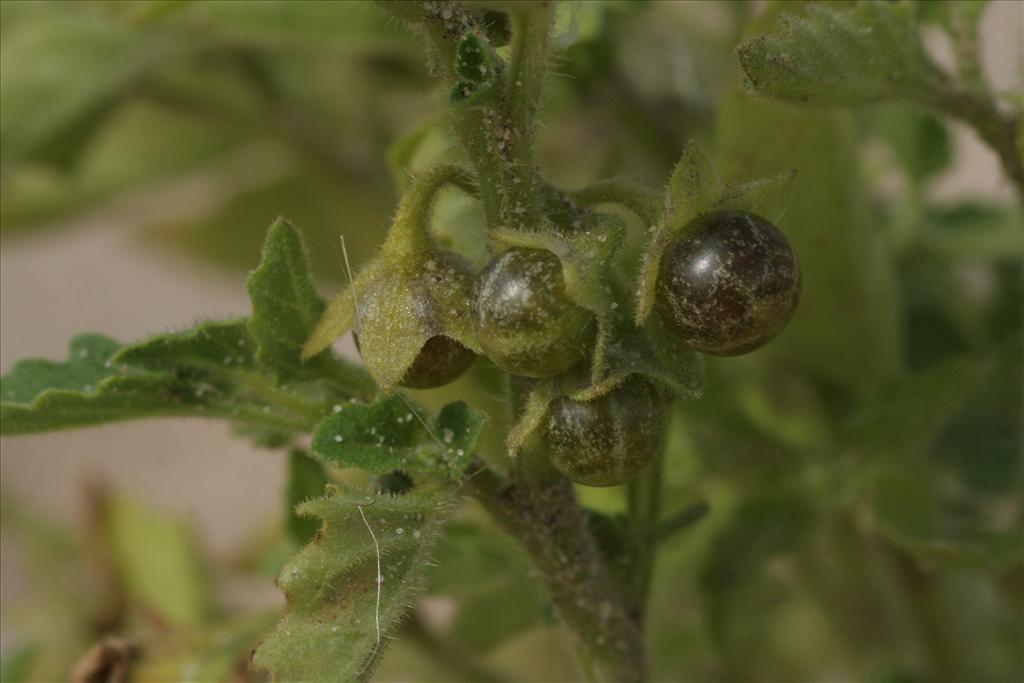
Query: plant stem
[
  {"x": 544, "y": 515},
  {"x": 531, "y": 39},
  {"x": 537, "y": 505},
  {"x": 410, "y": 232},
  {"x": 444, "y": 23},
  {"x": 638, "y": 198}
]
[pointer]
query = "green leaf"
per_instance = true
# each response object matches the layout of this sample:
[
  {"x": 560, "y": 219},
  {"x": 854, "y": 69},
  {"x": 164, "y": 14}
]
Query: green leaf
[
  {"x": 334, "y": 612},
  {"x": 306, "y": 480},
  {"x": 918, "y": 139},
  {"x": 387, "y": 435},
  {"x": 498, "y": 590},
  {"x": 847, "y": 328},
  {"x": 907, "y": 512},
  {"x": 40, "y": 395},
  {"x": 907, "y": 413},
  {"x": 829, "y": 57},
  {"x": 52, "y": 104},
  {"x": 158, "y": 560},
  {"x": 89, "y": 363},
  {"x": 208, "y": 371},
  {"x": 285, "y": 307},
  {"x": 763, "y": 528},
  {"x": 217, "y": 362},
  {"x": 474, "y": 59},
  {"x": 693, "y": 186}
]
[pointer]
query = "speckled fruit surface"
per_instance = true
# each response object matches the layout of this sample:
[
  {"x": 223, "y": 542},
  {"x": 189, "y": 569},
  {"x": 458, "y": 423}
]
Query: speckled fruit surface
[
  {"x": 525, "y": 321},
  {"x": 729, "y": 283},
  {"x": 605, "y": 441}
]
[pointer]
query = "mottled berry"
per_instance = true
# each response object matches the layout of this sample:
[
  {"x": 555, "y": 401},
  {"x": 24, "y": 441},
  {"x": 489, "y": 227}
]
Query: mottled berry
[
  {"x": 525, "y": 320},
  {"x": 440, "y": 361},
  {"x": 729, "y": 283},
  {"x": 608, "y": 440}
]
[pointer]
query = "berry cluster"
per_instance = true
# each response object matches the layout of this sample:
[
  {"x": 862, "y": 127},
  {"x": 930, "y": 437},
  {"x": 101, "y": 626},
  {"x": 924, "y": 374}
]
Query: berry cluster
[{"x": 727, "y": 283}]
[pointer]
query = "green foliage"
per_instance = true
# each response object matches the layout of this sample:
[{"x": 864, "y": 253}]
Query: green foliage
[
  {"x": 860, "y": 473},
  {"x": 490, "y": 575},
  {"x": 284, "y": 305},
  {"x": 52, "y": 106},
  {"x": 306, "y": 480},
  {"x": 388, "y": 435},
  {"x": 762, "y": 529},
  {"x": 224, "y": 369},
  {"x": 329, "y": 631},
  {"x": 157, "y": 559},
  {"x": 831, "y": 57},
  {"x": 103, "y": 393},
  {"x": 847, "y": 328},
  {"x": 905, "y": 414}
]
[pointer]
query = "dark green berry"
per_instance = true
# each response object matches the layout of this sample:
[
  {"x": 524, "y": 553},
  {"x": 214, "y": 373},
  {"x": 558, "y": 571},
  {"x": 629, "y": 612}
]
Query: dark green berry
[
  {"x": 525, "y": 320},
  {"x": 608, "y": 440},
  {"x": 729, "y": 283},
  {"x": 440, "y": 361}
]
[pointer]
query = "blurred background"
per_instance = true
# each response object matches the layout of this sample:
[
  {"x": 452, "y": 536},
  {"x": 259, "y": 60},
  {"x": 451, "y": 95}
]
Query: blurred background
[{"x": 863, "y": 470}]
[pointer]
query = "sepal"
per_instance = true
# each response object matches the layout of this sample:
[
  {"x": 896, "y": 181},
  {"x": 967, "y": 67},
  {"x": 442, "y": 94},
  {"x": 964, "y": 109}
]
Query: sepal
[{"x": 695, "y": 189}]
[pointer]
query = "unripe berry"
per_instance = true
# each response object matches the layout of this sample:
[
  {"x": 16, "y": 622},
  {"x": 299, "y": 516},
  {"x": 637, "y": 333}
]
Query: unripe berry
[
  {"x": 607, "y": 440},
  {"x": 525, "y": 321}
]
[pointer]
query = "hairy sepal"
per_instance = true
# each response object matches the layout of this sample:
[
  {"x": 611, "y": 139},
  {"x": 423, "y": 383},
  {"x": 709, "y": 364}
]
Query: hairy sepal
[
  {"x": 679, "y": 371},
  {"x": 693, "y": 190},
  {"x": 334, "y": 626}
]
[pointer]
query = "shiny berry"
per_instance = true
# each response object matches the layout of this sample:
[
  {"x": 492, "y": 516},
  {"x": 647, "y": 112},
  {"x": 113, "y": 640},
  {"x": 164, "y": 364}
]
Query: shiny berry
[
  {"x": 608, "y": 440},
  {"x": 440, "y": 361},
  {"x": 525, "y": 321},
  {"x": 729, "y": 283}
]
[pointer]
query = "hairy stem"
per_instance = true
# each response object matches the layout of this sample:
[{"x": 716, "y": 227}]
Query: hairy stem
[
  {"x": 411, "y": 227},
  {"x": 531, "y": 39},
  {"x": 537, "y": 505},
  {"x": 443, "y": 24},
  {"x": 638, "y": 198},
  {"x": 544, "y": 515}
]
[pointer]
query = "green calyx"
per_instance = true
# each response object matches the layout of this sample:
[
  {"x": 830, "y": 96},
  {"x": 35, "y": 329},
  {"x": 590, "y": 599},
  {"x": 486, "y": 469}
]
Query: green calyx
[{"x": 412, "y": 292}]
